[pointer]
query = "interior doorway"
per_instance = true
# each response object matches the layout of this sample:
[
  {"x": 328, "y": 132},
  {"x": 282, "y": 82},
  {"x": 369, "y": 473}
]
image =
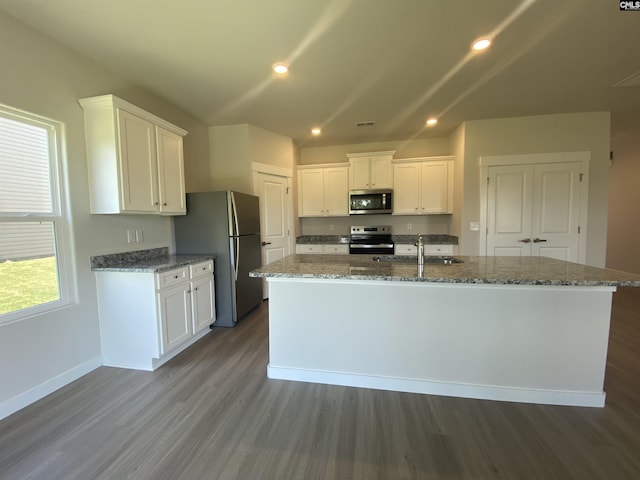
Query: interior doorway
[{"x": 276, "y": 207}]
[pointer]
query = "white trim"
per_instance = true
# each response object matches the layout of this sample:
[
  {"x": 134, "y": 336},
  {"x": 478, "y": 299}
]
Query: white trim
[
  {"x": 271, "y": 170},
  {"x": 40, "y": 391},
  {"x": 583, "y": 157},
  {"x": 486, "y": 392},
  {"x": 440, "y": 158},
  {"x": 323, "y": 165},
  {"x": 371, "y": 154}
]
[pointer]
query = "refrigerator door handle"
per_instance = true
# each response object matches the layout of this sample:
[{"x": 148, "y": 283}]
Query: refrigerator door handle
[
  {"x": 237, "y": 255},
  {"x": 234, "y": 216}
]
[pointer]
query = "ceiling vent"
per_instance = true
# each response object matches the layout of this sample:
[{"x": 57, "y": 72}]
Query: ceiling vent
[
  {"x": 632, "y": 80},
  {"x": 365, "y": 124}
]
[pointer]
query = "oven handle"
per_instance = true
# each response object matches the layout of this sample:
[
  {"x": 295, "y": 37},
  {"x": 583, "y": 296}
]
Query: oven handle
[{"x": 378, "y": 245}]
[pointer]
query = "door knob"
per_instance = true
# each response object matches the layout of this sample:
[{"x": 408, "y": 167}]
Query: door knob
[
  {"x": 538, "y": 240},
  {"x": 266, "y": 243},
  {"x": 525, "y": 240}
]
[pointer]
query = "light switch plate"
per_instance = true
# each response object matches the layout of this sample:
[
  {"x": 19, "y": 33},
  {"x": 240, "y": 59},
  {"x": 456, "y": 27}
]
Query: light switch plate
[{"x": 474, "y": 226}]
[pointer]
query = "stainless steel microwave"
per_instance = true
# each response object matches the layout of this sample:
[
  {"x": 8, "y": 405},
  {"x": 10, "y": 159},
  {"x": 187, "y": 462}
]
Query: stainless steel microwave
[{"x": 370, "y": 202}]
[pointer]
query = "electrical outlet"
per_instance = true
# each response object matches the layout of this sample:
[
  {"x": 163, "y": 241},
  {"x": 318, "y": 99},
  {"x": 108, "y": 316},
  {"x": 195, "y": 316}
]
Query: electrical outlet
[
  {"x": 409, "y": 226},
  {"x": 131, "y": 236},
  {"x": 331, "y": 227},
  {"x": 139, "y": 236}
]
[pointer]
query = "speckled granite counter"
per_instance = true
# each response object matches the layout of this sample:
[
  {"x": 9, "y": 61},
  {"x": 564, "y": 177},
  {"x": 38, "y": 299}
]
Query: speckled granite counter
[
  {"x": 151, "y": 260},
  {"x": 499, "y": 328},
  {"x": 478, "y": 270},
  {"x": 402, "y": 239}
]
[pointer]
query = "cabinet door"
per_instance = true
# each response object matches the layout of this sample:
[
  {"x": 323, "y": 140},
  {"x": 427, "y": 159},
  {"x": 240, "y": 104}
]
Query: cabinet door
[
  {"x": 311, "y": 192},
  {"x": 202, "y": 303},
  {"x": 434, "y": 191},
  {"x": 171, "y": 192},
  {"x": 359, "y": 174},
  {"x": 336, "y": 192},
  {"x": 381, "y": 172},
  {"x": 406, "y": 189},
  {"x": 174, "y": 305},
  {"x": 138, "y": 167}
]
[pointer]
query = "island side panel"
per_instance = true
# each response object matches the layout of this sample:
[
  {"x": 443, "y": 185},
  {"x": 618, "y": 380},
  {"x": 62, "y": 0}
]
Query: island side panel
[{"x": 524, "y": 343}]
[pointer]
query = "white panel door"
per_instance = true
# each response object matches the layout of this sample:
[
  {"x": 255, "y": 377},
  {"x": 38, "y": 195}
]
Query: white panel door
[
  {"x": 534, "y": 210},
  {"x": 556, "y": 211},
  {"x": 274, "y": 214},
  {"x": 509, "y": 211}
]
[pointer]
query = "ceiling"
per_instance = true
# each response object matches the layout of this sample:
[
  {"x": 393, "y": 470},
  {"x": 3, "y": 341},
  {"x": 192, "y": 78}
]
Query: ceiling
[{"x": 393, "y": 62}]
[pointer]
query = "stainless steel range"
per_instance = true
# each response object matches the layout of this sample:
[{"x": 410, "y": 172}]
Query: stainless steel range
[{"x": 371, "y": 240}]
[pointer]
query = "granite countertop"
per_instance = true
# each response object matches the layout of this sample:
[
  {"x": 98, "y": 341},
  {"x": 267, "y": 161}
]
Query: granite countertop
[
  {"x": 430, "y": 239},
  {"x": 152, "y": 260},
  {"x": 477, "y": 270}
]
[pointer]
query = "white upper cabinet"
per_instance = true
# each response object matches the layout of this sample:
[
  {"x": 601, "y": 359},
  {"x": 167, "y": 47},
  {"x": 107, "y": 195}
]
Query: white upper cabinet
[
  {"x": 323, "y": 191},
  {"x": 370, "y": 171},
  {"x": 423, "y": 186},
  {"x": 136, "y": 162}
]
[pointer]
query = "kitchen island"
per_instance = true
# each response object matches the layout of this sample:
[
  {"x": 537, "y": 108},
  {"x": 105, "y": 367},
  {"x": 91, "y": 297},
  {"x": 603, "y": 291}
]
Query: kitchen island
[{"x": 502, "y": 328}]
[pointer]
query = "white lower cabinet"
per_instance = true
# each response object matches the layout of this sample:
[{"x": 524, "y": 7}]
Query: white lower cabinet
[
  {"x": 148, "y": 318},
  {"x": 328, "y": 248},
  {"x": 409, "y": 249}
]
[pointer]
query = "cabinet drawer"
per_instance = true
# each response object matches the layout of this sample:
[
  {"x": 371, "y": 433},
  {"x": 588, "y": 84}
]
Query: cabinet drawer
[
  {"x": 201, "y": 269},
  {"x": 405, "y": 249},
  {"x": 438, "y": 249},
  {"x": 336, "y": 249},
  {"x": 307, "y": 248},
  {"x": 171, "y": 277}
]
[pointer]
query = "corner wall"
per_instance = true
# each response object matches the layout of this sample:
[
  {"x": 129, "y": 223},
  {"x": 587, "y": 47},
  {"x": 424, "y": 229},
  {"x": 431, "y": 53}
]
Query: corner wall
[{"x": 624, "y": 195}]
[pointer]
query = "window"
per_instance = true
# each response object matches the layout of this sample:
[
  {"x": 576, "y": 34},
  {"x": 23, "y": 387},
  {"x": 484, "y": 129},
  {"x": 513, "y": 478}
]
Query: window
[{"x": 33, "y": 273}]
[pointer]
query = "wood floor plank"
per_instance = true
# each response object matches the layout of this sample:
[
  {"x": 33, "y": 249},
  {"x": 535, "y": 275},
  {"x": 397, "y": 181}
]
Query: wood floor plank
[{"x": 211, "y": 413}]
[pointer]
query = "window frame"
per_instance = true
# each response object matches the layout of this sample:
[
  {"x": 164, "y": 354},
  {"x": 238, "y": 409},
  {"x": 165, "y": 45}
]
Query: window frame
[{"x": 58, "y": 216}]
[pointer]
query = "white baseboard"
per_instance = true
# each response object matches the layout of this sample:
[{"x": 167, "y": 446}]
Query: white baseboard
[
  {"x": 40, "y": 391},
  {"x": 484, "y": 392}
]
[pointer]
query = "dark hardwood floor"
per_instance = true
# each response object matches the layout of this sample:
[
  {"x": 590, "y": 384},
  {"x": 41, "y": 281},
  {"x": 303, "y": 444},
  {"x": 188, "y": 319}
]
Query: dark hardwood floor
[{"x": 211, "y": 413}]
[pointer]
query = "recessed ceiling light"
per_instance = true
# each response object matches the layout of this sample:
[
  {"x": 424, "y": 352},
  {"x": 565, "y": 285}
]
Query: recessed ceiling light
[
  {"x": 280, "y": 69},
  {"x": 481, "y": 44},
  {"x": 316, "y": 131},
  {"x": 432, "y": 121}
]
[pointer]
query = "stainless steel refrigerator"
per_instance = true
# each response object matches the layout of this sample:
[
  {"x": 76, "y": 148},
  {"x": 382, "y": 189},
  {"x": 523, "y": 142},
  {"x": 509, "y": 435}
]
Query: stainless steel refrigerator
[{"x": 227, "y": 225}]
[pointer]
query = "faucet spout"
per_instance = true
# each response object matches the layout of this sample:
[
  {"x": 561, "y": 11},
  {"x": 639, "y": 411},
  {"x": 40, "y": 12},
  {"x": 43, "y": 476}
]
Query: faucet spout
[{"x": 420, "y": 250}]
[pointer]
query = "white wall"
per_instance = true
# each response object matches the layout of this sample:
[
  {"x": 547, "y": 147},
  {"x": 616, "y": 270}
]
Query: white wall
[
  {"x": 235, "y": 147},
  {"x": 624, "y": 195},
  {"x": 45, "y": 78},
  {"x": 540, "y": 134},
  {"x": 424, "y": 147}
]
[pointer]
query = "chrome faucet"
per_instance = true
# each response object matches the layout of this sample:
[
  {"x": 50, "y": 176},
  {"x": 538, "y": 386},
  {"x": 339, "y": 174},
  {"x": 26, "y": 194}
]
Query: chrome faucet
[{"x": 420, "y": 252}]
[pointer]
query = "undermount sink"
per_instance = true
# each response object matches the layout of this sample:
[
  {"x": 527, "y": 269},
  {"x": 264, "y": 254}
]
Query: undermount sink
[{"x": 434, "y": 260}]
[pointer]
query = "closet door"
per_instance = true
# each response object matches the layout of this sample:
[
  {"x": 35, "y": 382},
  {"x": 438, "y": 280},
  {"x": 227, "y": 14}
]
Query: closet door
[{"x": 534, "y": 210}]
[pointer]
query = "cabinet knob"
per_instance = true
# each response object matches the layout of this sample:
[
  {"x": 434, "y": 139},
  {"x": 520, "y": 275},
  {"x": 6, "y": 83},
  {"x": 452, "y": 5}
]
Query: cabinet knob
[
  {"x": 155, "y": 203},
  {"x": 175, "y": 276},
  {"x": 164, "y": 204},
  {"x": 195, "y": 289}
]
